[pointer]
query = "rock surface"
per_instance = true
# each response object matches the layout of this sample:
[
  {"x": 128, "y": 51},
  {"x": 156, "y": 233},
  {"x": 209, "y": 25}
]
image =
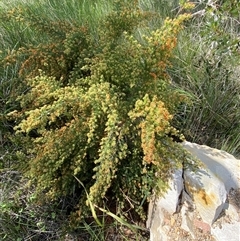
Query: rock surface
[
  {"x": 201, "y": 205},
  {"x": 163, "y": 206}
]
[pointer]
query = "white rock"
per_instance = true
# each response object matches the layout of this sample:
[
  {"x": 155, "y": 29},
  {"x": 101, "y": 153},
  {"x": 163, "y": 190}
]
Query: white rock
[
  {"x": 211, "y": 191},
  {"x": 187, "y": 214},
  {"x": 187, "y": 220},
  {"x": 168, "y": 203},
  {"x": 227, "y": 232},
  {"x": 223, "y": 165},
  {"x": 227, "y": 227},
  {"x": 170, "y": 200},
  {"x": 209, "y": 186},
  {"x": 208, "y": 193}
]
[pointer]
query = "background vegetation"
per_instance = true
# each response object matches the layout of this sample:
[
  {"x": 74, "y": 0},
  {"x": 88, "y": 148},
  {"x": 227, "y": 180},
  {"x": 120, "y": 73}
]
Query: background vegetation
[{"x": 93, "y": 97}]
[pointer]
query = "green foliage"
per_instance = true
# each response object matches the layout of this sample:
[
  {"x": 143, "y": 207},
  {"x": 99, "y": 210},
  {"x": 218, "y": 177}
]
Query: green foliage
[
  {"x": 99, "y": 109},
  {"x": 21, "y": 218},
  {"x": 58, "y": 55},
  {"x": 206, "y": 66}
]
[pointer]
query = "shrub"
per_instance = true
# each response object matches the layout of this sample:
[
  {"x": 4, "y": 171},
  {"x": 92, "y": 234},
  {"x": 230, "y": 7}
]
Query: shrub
[{"x": 100, "y": 110}]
